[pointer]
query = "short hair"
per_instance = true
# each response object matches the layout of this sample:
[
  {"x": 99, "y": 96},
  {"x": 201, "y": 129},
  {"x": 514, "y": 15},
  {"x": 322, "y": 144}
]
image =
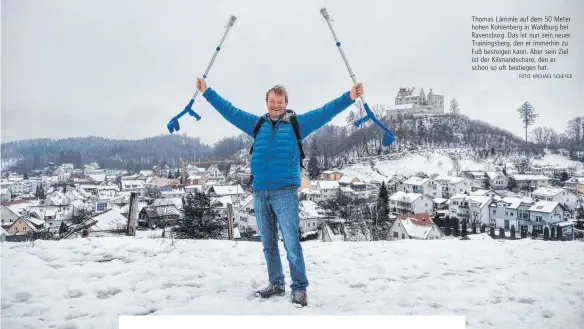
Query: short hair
[{"x": 278, "y": 90}]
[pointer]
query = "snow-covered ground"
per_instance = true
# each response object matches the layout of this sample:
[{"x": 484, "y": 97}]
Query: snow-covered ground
[
  {"x": 439, "y": 163},
  {"x": 87, "y": 283}
]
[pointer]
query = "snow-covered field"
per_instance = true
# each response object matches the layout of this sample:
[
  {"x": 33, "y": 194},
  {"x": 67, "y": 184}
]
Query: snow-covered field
[
  {"x": 87, "y": 283},
  {"x": 438, "y": 163}
]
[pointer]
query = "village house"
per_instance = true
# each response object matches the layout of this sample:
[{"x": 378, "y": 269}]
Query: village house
[
  {"x": 330, "y": 175},
  {"x": 310, "y": 215},
  {"x": 483, "y": 192},
  {"x": 575, "y": 185},
  {"x": 327, "y": 190},
  {"x": 214, "y": 174},
  {"x": 497, "y": 181},
  {"x": 508, "y": 212},
  {"x": 419, "y": 185},
  {"x": 473, "y": 209},
  {"x": 26, "y": 225},
  {"x": 531, "y": 182},
  {"x": 525, "y": 214},
  {"x": 245, "y": 215},
  {"x": 451, "y": 185},
  {"x": 132, "y": 184},
  {"x": 414, "y": 226},
  {"x": 563, "y": 196},
  {"x": 235, "y": 192},
  {"x": 401, "y": 202}
]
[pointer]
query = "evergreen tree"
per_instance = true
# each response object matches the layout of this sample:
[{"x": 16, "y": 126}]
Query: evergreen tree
[
  {"x": 553, "y": 233},
  {"x": 454, "y": 109},
  {"x": 502, "y": 233},
  {"x": 513, "y": 232},
  {"x": 40, "y": 193},
  {"x": 527, "y": 115},
  {"x": 62, "y": 228},
  {"x": 78, "y": 216},
  {"x": 383, "y": 204},
  {"x": 492, "y": 232},
  {"x": 201, "y": 219},
  {"x": 560, "y": 232},
  {"x": 464, "y": 231},
  {"x": 546, "y": 233},
  {"x": 313, "y": 170}
]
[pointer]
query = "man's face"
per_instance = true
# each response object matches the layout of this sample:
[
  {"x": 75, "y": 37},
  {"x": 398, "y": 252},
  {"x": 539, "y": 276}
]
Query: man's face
[{"x": 276, "y": 105}]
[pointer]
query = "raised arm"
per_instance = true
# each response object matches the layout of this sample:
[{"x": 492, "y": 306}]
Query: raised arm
[
  {"x": 241, "y": 119},
  {"x": 313, "y": 120}
]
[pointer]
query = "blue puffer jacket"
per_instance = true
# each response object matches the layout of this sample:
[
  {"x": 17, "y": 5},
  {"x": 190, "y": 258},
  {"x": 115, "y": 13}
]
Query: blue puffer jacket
[{"x": 275, "y": 162}]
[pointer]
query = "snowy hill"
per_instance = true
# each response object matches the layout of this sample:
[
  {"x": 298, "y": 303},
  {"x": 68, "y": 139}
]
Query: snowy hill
[
  {"x": 439, "y": 162},
  {"x": 87, "y": 283}
]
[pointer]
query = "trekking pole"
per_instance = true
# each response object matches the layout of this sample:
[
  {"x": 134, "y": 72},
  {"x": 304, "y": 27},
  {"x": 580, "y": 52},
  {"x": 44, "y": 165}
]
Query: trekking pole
[
  {"x": 173, "y": 123},
  {"x": 389, "y": 137}
]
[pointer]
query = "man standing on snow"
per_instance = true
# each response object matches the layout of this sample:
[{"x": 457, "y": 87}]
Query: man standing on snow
[{"x": 276, "y": 172}]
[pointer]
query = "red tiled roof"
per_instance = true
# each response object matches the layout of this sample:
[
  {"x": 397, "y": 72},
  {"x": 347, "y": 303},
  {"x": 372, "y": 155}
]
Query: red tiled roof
[
  {"x": 11, "y": 203},
  {"x": 422, "y": 219}
]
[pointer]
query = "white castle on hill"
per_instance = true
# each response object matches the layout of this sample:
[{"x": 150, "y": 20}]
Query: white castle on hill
[{"x": 410, "y": 101}]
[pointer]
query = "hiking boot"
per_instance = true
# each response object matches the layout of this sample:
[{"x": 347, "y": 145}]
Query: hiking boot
[
  {"x": 271, "y": 290},
  {"x": 299, "y": 298}
]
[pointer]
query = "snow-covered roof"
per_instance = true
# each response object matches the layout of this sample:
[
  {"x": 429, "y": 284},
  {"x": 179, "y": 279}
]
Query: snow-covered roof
[
  {"x": 530, "y": 177},
  {"x": 309, "y": 209},
  {"x": 450, "y": 179},
  {"x": 494, "y": 174},
  {"x": 416, "y": 226},
  {"x": 97, "y": 177},
  {"x": 544, "y": 206},
  {"x": 482, "y": 200},
  {"x": 224, "y": 200},
  {"x": 346, "y": 189},
  {"x": 566, "y": 223},
  {"x": 228, "y": 189},
  {"x": 133, "y": 183},
  {"x": 58, "y": 198},
  {"x": 126, "y": 208},
  {"x": 347, "y": 179},
  {"x": 405, "y": 197},
  {"x": 416, "y": 181},
  {"x": 110, "y": 219},
  {"x": 328, "y": 185},
  {"x": 579, "y": 180},
  {"x": 439, "y": 200},
  {"x": 36, "y": 221},
  {"x": 177, "y": 202},
  {"x": 513, "y": 203},
  {"x": 548, "y": 191}
]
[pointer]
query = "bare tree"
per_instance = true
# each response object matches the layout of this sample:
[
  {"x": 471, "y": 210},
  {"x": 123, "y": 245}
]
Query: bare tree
[
  {"x": 527, "y": 115},
  {"x": 537, "y": 135},
  {"x": 456, "y": 166},
  {"x": 575, "y": 130}
]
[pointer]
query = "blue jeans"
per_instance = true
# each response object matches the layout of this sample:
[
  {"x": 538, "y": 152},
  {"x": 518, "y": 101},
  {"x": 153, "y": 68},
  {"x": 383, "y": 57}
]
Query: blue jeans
[{"x": 281, "y": 207}]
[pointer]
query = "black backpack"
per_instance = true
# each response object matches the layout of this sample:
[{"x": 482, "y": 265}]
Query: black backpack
[{"x": 294, "y": 123}]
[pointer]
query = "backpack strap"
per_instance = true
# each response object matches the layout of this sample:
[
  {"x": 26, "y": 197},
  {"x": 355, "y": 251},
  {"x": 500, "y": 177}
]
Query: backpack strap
[
  {"x": 256, "y": 130},
  {"x": 294, "y": 123}
]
